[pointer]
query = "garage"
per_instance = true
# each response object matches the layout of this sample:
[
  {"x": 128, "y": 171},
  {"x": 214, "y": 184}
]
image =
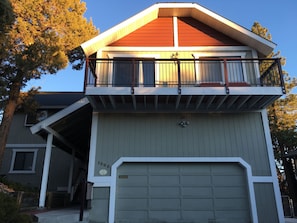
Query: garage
[{"x": 182, "y": 192}]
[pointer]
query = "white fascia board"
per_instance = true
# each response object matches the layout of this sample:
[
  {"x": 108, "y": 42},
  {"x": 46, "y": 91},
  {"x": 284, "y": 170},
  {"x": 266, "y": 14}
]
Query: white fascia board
[
  {"x": 59, "y": 115},
  {"x": 93, "y": 45}
]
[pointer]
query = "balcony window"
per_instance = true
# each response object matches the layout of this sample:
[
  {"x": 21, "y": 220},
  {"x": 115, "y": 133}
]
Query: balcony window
[
  {"x": 210, "y": 69},
  {"x": 133, "y": 72}
]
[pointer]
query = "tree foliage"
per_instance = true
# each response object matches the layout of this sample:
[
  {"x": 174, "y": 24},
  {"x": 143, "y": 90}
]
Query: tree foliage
[
  {"x": 37, "y": 37},
  {"x": 282, "y": 116}
]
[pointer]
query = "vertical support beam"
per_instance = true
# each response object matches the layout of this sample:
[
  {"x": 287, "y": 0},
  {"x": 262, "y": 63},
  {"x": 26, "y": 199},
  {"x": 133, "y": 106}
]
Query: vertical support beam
[
  {"x": 71, "y": 168},
  {"x": 226, "y": 76},
  {"x": 46, "y": 165}
]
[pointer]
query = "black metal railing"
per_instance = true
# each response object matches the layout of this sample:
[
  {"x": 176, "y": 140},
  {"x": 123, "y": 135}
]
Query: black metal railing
[{"x": 202, "y": 72}]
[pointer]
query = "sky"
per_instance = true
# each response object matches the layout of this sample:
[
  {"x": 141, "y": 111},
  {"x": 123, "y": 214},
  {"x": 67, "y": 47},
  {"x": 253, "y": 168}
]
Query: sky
[{"x": 279, "y": 17}]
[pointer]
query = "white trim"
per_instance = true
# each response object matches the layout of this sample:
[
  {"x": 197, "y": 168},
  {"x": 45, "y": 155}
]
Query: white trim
[
  {"x": 187, "y": 48},
  {"x": 132, "y": 55},
  {"x": 239, "y": 160},
  {"x": 263, "y": 179},
  {"x": 14, "y": 152},
  {"x": 59, "y": 115},
  {"x": 93, "y": 146},
  {"x": 272, "y": 166},
  {"x": 175, "y": 31}
]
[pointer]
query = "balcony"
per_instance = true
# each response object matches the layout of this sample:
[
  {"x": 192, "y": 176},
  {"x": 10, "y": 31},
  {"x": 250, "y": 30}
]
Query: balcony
[{"x": 182, "y": 85}]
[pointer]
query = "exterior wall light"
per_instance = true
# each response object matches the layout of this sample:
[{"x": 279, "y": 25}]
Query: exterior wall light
[{"x": 184, "y": 123}]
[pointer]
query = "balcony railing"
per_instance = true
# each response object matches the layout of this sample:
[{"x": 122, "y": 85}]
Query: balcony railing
[{"x": 178, "y": 73}]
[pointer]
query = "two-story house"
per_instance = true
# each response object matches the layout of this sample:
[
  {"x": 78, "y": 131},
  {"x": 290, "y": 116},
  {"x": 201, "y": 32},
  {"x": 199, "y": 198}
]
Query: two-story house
[{"x": 179, "y": 130}]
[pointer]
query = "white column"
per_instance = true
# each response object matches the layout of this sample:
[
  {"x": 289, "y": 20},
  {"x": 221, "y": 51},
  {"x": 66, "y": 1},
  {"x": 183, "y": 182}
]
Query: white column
[
  {"x": 46, "y": 165},
  {"x": 71, "y": 168}
]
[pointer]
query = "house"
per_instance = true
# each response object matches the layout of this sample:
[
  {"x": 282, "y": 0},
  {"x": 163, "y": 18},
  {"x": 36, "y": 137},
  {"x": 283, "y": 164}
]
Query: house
[
  {"x": 179, "y": 130},
  {"x": 25, "y": 152}
]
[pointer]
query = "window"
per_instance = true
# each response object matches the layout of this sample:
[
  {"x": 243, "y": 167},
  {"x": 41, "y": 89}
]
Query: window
[
  {"x": 133, "y": 72},
  {"x": 23, "y": 161},
  {"x": 211, "y": 68}
]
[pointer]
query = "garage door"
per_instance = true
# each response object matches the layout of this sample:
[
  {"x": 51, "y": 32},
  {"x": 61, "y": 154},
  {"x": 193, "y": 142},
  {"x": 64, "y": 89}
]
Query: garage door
[{"x": 182, "y": 192}]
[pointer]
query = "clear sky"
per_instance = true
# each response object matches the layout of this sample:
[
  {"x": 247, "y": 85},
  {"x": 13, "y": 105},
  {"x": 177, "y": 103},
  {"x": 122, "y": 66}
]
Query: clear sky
[{"x": 279, "y": 17}]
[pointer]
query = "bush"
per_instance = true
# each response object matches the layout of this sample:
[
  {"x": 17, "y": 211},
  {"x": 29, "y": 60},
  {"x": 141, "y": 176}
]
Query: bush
[{"x": 9, "y": 211}]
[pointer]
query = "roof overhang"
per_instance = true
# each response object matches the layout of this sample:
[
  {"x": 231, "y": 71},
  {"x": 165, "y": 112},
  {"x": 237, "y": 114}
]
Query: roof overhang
[
  {"x": 70, "y": 128},
  {"x": 193, "y": 10}
]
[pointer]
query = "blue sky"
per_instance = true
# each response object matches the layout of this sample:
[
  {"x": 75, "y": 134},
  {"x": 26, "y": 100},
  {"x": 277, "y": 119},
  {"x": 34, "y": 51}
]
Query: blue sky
[{"x": 279, "y": 17}]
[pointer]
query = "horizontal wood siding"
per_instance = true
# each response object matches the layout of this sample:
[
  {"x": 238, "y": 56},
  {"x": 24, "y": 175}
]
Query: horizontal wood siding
[
  {"x": 159, "y": 32},
  {"x": 159, "y": 135},
  {"x": 191, "y": 32}
]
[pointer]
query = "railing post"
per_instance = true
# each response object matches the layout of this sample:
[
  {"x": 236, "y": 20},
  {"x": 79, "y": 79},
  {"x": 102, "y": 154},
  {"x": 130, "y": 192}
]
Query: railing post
[
  {"x": 86, "y": 74},
  {"x": 282, "y": 82},
  {"x": 133, "y": 76},
  {"x": 226, "y": 76},
  {"x": 178, "y": 76}
]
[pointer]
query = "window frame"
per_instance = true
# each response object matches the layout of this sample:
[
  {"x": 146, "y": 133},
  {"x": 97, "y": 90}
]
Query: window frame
[
  {"x": 219, "y": 55},
  {"x": 13, "y": 159},
  {"x": 140, "y": 72}
]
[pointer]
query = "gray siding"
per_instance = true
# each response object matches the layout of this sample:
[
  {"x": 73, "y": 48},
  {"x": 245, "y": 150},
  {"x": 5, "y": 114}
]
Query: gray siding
[
  {"x": 266, "y": 204},
  {"x": 21, "y": 134},
  {"x": 159, "y": 135}
]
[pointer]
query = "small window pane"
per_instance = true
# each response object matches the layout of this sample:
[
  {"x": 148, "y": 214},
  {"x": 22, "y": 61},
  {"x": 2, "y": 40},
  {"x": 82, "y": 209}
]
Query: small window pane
[
  {"x": 148, "y": 73},
  {"x": 123, "y": 73},
  {"x": 23, "y": 161}
]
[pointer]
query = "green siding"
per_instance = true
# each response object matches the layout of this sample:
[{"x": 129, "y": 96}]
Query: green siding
[
  {"x": 100, "y": 201},
  {"x": 159, "y": 135},
  {"x": 266, "y": 204}
]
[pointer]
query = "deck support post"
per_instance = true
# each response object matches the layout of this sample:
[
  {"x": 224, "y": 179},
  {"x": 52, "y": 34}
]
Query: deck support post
[{"x": 46, "y": 165}]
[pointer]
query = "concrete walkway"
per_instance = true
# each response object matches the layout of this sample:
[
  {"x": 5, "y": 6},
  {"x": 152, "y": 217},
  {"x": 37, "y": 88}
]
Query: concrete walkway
[
  {"x": 290, "y": 220},
  {"x": 67, "y": 215}
]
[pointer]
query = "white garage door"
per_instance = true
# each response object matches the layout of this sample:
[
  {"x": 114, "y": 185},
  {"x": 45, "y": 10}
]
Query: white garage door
[{"x": 182, "y": 192}]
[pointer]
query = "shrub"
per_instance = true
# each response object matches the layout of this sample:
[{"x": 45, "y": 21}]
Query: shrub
[{"x": 9, "y": 211}]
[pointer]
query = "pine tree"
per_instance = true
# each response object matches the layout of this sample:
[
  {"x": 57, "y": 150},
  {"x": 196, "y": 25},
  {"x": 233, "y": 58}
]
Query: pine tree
[{"x": 37, "y": 37}]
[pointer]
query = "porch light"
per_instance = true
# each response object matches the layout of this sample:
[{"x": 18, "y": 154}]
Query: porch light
[{"x": 183, "y": 123}]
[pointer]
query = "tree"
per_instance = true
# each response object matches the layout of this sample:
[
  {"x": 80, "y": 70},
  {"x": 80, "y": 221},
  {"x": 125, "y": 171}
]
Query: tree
[
  {"x": 38, "y": 37},
  {"x": 282, "y": 116}
]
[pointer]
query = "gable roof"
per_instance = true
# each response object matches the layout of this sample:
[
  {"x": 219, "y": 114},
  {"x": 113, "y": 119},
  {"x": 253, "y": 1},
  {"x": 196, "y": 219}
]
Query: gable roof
[{"x": 193, "y": 10}]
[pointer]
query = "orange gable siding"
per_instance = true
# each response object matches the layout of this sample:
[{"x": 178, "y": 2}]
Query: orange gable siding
[
  {"x": 194, "y": 33},
  {"x": 159, "y": 32}
]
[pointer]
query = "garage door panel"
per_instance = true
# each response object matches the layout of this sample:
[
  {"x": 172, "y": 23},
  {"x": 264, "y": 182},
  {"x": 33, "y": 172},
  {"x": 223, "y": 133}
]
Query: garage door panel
[
  {"x": 132, "y": 204},
  {"x": 227, "y": 181},
  {"x": 232, "y": 217},
  {"x": 187, "y": 169},
  {"x": 169, "y": 215},
  {"x": 196, "y": 180},
  {"x": 229, "y": 192},
  {"x": 164, "y": 192},
  {"x": 134, "y": 216},
  {"x": 197, "y": 204},
  {"x": 164, "y": 204},
  {"x": 201, "y": 192},
  {"x": 166, "y": 169},
  {"x": 198, "y": 216},
  {"x": 164, "y": 180},
  {"x": 229, "y": 204},
  {"x": 132, "y": 192},
  {"x": 128, "y": 180}
]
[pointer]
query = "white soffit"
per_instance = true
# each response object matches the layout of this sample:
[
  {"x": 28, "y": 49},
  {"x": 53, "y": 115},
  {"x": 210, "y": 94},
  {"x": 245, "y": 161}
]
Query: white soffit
[{"x": 194, "y": 10}]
